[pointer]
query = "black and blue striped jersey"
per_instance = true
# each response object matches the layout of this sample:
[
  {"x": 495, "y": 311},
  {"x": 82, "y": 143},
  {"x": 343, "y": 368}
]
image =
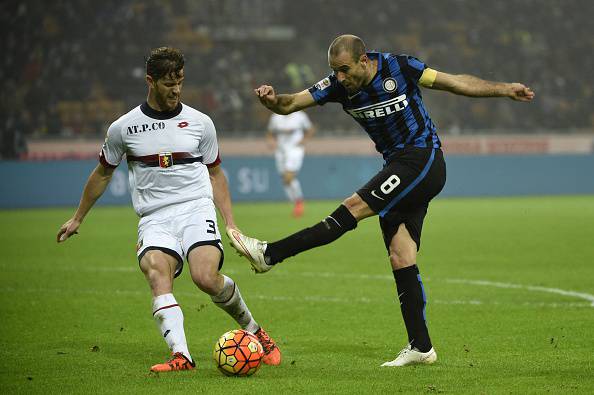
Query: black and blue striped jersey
[{"x": 390, "y": 108}]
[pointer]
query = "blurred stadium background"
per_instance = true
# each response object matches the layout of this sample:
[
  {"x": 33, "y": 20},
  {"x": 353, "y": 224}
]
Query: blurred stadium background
[{"x": 69, "y": 68}]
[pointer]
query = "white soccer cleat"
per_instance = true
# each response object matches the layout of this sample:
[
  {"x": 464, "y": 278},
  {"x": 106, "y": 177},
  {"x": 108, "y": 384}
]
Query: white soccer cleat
[
  {"x": 252, "y": 249},
  {"x": 410, "y": 356}
]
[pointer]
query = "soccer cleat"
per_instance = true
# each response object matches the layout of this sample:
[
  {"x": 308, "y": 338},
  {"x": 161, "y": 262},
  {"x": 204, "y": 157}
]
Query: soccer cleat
[
  {"x": 298, "y": 209},
  {"x": 178, "y": 361},
  {"x": 272, "y": 354},
  {"x": 409, "y": 356},
  {"x": 252, "y": 249}
]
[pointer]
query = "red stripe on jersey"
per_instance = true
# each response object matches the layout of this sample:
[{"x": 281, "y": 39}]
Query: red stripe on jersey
[
  {"x": 155, "y": 157},
  {"x": 104, "y": 161},
  {"x": 216, "y": 162},
  {"x": 165, "y": 307}
]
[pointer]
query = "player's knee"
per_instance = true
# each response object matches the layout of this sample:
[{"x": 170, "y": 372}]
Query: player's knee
[
  {"x": 401, "y": 259},
  {"x": 208, "y": 281},
  {"x": 357, "y": 207},
  {"x": 403, "y": 249},
  {"x": 152, "y": 265},
  {"x": 158, "y": 273},
  {"x": 352, "y": 202},
  {"x": 287, "y": 178},
  {"x": 403, "y": 252}
]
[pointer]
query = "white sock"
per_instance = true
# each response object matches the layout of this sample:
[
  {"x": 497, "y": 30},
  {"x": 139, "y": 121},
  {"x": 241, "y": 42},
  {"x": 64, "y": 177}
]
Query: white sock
[
  {"x": 231, "y": 301},
  {"x": 297, "y": 193},
  {"x": 289, "y": 192},
  {"x": 170, "y": 321}
]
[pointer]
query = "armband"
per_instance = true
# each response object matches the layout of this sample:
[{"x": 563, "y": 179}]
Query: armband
[{"x": 428, "y": 77}]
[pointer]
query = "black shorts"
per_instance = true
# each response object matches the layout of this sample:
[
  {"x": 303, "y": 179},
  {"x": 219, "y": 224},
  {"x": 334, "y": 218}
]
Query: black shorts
[{"x": 401, "y": 191}]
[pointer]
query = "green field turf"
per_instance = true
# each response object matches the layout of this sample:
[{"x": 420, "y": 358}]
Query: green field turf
[{"x": 510, "y": 283}]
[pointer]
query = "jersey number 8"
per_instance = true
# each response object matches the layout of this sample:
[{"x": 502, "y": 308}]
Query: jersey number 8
[{"x": 390, "y": 184}]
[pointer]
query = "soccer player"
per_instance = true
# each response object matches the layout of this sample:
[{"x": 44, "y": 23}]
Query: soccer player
[
  {"x": 381, "y": 92},
  {"x": 288, "y": 134},
  {"x": 176, "y": 181}
]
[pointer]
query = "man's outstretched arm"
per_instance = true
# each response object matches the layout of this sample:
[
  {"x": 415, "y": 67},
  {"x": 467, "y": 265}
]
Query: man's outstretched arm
[
  {"x": 94, "y": 188},
  {"x": 284, "y": 103},
  {"x": 468, "y": 85}
]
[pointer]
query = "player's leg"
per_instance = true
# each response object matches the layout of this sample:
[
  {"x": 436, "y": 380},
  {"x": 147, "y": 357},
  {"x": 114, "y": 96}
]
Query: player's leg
[
  {"x": 263, "y": 255},
  {"x": 159, "y": 268},
  {"x": 342, "y": 220},
  {"x": 293, "y": 191},
  {"x": 288, "y": 177},
  {"x": 411, "y": 293},
  {"x": 362, "y": 204},
  {"x": 292, "y": 165},
  {"x": 417, "y": 178},
  {"x": 405, "y": 178},
  {"x": 204, "y": 261},
  {"x": 280, "y": 158},
  {"x": 204, "y": 268}
]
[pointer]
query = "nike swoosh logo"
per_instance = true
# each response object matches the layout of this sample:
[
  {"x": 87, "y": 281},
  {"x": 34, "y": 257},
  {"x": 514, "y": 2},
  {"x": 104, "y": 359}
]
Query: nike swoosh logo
[
  {"x": 375, "y": 195},
  {"x": 356, "y": 94}
]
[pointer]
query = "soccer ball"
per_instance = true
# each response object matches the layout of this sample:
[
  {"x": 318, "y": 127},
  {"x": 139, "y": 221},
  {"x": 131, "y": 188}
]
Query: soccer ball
[{"x": 238, "y": 353}]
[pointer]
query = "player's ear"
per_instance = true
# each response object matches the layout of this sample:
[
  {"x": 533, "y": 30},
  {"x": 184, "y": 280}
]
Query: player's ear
[
  {"x": 149, "y": 80},
  {"x": 363, "y": 59}
]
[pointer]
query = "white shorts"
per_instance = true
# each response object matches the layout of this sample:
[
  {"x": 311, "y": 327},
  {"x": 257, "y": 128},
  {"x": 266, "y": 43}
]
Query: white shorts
[
  {"x": 289, "y": 159},
  {"x": 178, "y": 229}
]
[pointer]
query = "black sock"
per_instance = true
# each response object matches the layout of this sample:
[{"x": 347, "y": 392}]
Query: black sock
[
  {"x": 412, "y": 305},
  {"x": 330, "y": 229}
]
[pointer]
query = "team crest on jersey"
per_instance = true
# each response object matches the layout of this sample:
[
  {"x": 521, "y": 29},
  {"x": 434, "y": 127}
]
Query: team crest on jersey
[
  {"x": 390, "y": 85},
  {"x": 323, "y": 84},
  {"x": 165, "y": 159}
]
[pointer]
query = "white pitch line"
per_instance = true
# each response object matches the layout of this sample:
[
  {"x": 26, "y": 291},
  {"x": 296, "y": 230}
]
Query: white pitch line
[
  {"x": 360, "y": 276},
  {"x": 575, "y": 294},
  {"x": 279, "y": 298},
  {"x": 579, "y": 295}
]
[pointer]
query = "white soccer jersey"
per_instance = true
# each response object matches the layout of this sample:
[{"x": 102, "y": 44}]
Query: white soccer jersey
[
  {"x": 167, "y": 153},
  {"x": 289, "y": 128}
]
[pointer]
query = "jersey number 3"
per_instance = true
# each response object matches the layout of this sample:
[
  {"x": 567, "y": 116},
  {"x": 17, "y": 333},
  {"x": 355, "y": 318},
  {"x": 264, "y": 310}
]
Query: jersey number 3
[{"x": 211, "y": 227}]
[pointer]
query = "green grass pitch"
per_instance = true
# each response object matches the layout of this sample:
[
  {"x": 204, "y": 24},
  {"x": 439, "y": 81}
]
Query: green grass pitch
[{"x": 509, "y": 283}]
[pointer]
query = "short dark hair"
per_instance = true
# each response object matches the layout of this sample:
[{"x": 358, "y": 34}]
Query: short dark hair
[
  {"x": 347, "y": 43},
  {"x": 164, "y": 61}
]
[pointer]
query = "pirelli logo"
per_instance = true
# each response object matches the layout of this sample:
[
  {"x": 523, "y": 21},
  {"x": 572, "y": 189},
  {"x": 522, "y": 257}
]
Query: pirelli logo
[{"x": 382, "y": 109}]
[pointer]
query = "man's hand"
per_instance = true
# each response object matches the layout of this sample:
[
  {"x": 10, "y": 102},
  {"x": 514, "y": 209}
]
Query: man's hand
[
  {"x": 284, "y": 103},
  {"x": 94, "y": 188},
  {"x": 266, "y": 95},
  {"x": 68, "y": 229},
  {"x": 520, "y": 92}
]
